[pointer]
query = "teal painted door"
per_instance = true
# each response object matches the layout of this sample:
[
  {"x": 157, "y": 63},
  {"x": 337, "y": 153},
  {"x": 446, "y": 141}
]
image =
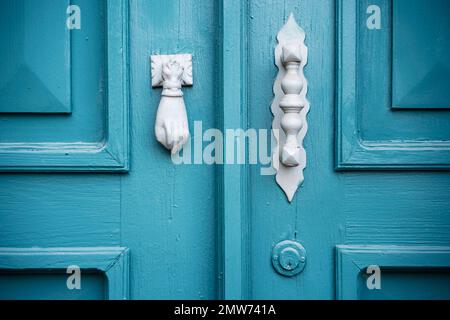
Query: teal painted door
[{"x": 85, "y": 184}]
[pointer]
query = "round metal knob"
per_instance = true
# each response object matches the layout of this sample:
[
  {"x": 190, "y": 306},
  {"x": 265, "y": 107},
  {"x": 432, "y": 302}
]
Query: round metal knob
[{"x": 289, "y": 258}]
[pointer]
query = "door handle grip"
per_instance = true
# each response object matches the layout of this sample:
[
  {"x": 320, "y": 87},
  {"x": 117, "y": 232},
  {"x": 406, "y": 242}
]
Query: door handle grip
[
  {"x": 290, "y": 107},
  {"x": 291, "y": 104}
]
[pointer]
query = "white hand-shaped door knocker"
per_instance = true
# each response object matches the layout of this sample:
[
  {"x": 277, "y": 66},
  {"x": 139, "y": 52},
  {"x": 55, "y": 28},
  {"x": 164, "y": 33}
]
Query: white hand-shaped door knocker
[{"x": 172, "y": 72}]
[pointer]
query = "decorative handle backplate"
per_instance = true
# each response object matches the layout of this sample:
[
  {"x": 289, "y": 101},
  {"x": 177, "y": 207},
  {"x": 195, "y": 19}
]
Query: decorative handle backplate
[
  {"x": 290, "y": 107},
  {"x": 172, "y": 72}
]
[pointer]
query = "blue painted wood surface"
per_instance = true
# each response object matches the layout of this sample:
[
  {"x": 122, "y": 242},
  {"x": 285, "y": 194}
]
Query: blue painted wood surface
[
  {"x": 421, "y": 64},
  {"x": 206, "y": 232},
  {"x": 365, "y": 207},
  {"x": 42, "y": 285},
  {"x": 110, "y": 263},
  {"x": 233, "y": 224},
  {"x": 369, "y": 134},
  {"x": 169, "y": 213},
  {"x": 34, "y": 38},
  {"x": 95, "y": 136},
  {"x": 405, "y": 272}
]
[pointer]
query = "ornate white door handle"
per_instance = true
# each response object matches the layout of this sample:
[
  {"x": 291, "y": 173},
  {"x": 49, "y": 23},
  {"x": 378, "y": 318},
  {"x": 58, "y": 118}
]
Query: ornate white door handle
[
  {"x": 172, "y": 72},
  {"x": 290, "y": 107}
]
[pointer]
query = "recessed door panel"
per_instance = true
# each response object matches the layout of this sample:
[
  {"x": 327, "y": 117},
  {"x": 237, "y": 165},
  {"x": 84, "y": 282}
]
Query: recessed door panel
[
  {"x": 39, "y": 285},
  {"x": 63, "y": 94},
  {"x": 381, "y": 65},
  {"x": 35, "y": 57},
  {"x": 421, "y": 63}
]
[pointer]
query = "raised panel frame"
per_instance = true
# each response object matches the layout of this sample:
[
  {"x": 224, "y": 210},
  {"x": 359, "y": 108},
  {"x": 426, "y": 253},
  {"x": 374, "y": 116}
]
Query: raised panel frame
[
  {"x": 352, "y": 152},
  {"x": 352, "y": 260},
  {"x": 112, "y": 261},
  {"x": 112, "y": 154}
]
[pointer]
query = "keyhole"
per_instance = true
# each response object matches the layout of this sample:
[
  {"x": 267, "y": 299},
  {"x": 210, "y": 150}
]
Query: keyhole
[{"x": 289, "y": 258}]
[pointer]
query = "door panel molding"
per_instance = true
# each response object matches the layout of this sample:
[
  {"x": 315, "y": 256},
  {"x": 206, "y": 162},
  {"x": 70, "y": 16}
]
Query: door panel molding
[
  {"x": 112, "y": 261},
  {"x": 352, "y": 260},
  {"x": 108, "y": 155},
  {"x": 233, "y": 179},
  {"x": 353, "y": 150}
]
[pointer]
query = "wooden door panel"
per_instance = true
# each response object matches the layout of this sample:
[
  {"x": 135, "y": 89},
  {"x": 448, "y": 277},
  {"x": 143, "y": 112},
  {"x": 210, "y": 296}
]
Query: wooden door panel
[
  {"x": 34, "y": 38},
  {"x": 370, "y": 133},
  {"x": 82, "y": 71},
  {"x": 420, "y": 61},
  {"x": 34, "y": 273},
  {"x": 200, "y": 231},
  {"x": 41, "y": 285},
  {"x": 404, "y": 272}
]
